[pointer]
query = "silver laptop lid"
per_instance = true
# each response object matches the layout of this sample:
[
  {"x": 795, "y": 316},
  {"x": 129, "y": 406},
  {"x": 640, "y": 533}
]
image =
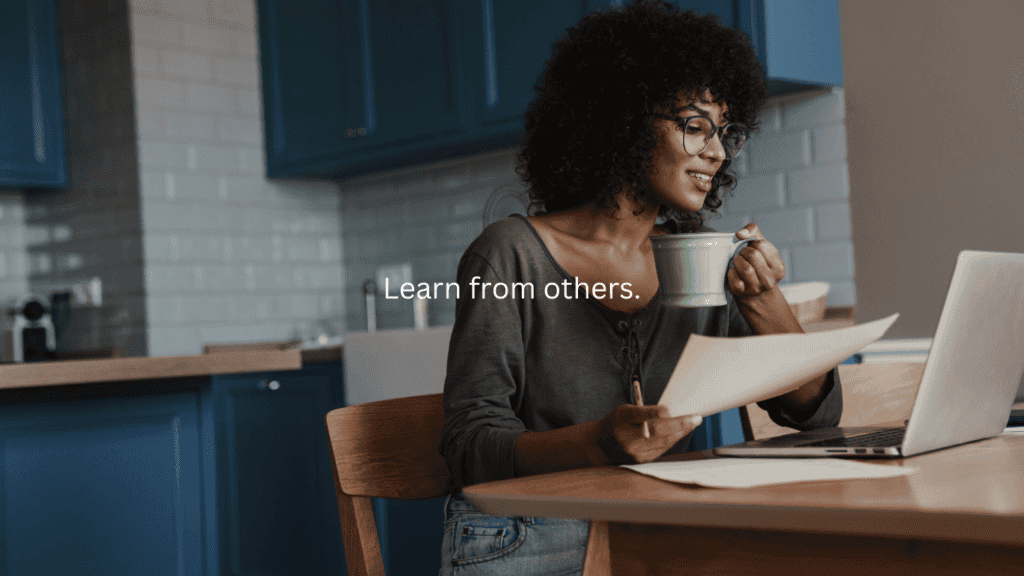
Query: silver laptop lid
[{"x": 976, "y": 359}]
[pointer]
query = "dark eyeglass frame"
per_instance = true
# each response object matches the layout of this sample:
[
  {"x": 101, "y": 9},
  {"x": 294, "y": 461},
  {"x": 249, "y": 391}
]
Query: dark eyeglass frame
[{"x": 716, "y": 130}]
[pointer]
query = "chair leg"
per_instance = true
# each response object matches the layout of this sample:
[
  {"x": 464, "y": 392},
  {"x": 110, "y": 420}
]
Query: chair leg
[
  {"x": 598, "y": 559},
  {"x": 359, "y": 533}
]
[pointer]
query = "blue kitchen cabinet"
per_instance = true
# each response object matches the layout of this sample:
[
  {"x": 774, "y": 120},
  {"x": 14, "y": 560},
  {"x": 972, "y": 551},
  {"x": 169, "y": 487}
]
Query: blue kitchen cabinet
[
  {"x": 507, "y": 46},
  {"x": 797, "y": 41},
  {"x": 353, "y": 86},
  {"x": 358, "y": 85},
  {"x": 312, "y": 97},
  {"x": 276, "y": 507},
  {"x": 31, "y": 113},
  {"x": 98, "y": 480}
]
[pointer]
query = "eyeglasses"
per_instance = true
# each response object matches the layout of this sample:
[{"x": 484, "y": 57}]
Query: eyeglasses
[{"x": 698, "y": 131}]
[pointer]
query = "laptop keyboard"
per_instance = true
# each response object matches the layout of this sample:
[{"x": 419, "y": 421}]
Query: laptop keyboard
[{"x": 881, "y": 438}]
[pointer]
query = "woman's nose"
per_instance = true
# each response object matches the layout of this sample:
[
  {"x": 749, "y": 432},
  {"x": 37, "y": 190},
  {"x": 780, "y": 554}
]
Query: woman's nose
[{"x": 715, "y": 150}]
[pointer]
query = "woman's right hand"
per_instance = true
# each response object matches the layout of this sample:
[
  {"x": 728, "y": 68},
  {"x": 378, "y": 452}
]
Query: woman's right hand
[{"x": 621, "y": 437}]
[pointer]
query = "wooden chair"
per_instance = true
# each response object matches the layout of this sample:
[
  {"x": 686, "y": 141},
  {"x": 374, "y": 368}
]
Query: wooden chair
[
  {"x": 873, "y": 395},
  {"x": 388, "y": 449}
]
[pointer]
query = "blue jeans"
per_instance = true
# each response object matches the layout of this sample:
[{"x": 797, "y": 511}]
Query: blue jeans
[{"x": 479, "y": 544}]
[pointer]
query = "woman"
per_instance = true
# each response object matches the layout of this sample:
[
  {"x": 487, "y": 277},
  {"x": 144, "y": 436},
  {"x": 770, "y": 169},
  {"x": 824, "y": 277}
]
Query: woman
[{"x": 638, "y": 117}]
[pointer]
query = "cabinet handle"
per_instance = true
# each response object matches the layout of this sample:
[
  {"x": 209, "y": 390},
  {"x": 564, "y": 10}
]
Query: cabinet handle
[
  {"x": 361, "y": 131},
  {"x": 350, "y": 133},
  {"x": 268, "y": 385}
]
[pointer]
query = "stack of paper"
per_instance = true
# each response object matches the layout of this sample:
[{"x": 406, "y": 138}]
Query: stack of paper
[
  {"x": 746, "y": 473},
  {"x": 715, "y": 374}
]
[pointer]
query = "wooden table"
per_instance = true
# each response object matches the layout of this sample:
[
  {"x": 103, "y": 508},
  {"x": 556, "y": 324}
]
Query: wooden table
[{"x": 962, "y": 512}]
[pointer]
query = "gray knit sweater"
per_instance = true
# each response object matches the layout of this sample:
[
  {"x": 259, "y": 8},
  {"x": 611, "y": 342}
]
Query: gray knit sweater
[{"x": 543, "y": 360}]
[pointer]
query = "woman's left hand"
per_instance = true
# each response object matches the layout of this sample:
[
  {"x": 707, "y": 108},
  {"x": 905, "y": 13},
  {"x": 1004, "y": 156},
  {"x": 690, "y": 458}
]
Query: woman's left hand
[{"x": 757, "y": 268}]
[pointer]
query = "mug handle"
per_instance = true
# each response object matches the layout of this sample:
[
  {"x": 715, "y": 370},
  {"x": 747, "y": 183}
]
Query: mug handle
[
  {"x": 738, "y": 246},
  {"x": 735, "y": 250}
]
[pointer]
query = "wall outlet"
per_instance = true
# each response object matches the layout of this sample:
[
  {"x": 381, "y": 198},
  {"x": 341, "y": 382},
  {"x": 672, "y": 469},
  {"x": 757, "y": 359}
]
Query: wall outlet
[{"x": 395, "y": 275}]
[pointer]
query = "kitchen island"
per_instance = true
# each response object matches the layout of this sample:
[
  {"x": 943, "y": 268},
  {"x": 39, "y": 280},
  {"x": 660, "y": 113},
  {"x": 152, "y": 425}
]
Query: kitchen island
[{"x": 205, "y": 464}]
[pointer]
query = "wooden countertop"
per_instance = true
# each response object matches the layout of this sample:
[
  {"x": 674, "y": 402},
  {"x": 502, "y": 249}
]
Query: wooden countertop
[{"x": 141, "y": 368}]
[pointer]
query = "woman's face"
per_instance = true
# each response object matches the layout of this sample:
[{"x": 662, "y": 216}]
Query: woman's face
[{"x": 682, "y": 180}]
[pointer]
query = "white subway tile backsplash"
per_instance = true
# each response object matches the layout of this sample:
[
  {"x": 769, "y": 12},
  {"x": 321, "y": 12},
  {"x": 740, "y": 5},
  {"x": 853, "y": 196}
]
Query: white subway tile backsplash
[
  {"x": 771, "y": 119},
  {"x": 727, "y": 223},
  {"x": 157, "y": 92},
  {"x": 159, "y": 214},
  {"x": 209, "y": 98},
  {"x": 174, "y": 341},
  {"x": 207, "y": 38},
  {"x": 779, "y": 152},
  {"x": 217, "y": 159},
  {"x": 145, "y": 59},
  {"x": 841, "y": 293},
  {"x": 249, "y": 103},
  {"x": 787, "y": 226},
  {"x": 813, "y": 109},
  {"x": 188, "y": 64},
  {"x": 468, "y": 204},
  {"x": 246, "y": 45},
  {"x": 155, "y": 29},
  {"x": 251, "y": 161},
  {"x": 197, "y": 9},
  {"x": 240, "y": 15},
  {"x": 236, "y": 71},
  {"x": 328, "y": 250},
  {"x": 150, "y": 121},
  {"x": 296, "y": 306},
  {"x": 191, "y": 126},
  {"x": 819, "y": 183},
  {"x": 830, "y": 143},
  {"x": 823, "y": 262},
  {"x": 244, "y": 130},
  {"x": 301, "y": 249},
  {"x": 248, "y": 190},
  {"x": 833, "y": 221},
  {"x": 756, "y": 194},
  {"x": 196, "y": 186},
  {"x": 163, "y": 154}
]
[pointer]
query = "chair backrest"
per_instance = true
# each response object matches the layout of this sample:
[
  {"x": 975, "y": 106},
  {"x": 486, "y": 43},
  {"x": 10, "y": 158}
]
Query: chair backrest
[
  {"x": 383, "y": 449},
  {"x": 873, "y": 394}
]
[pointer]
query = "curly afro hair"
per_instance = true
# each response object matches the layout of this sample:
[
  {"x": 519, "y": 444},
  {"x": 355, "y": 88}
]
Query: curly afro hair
[{"x": 590, "y": 129}]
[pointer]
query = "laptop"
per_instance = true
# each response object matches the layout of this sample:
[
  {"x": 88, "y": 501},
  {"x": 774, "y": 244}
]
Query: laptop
[{"x": 970, "y": 378}]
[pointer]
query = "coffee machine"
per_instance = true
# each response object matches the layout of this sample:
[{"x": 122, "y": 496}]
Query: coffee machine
[{"x": 32, "y": 337}]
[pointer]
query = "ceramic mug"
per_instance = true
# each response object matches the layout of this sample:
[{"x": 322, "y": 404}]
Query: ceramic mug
[{"x": 691, "y": 267}]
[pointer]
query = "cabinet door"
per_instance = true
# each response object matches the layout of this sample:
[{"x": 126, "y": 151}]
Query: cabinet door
[
  {"x": 410, "y": 77},
  {"x": 100, "y": 485},
  {"x": 508, "y": 45},
  {"x": 797, "y": 41},
  {"x": 277, "y": 510},
  {"x": 311, "y": 88},
  {"x": 31, "y": 113}
]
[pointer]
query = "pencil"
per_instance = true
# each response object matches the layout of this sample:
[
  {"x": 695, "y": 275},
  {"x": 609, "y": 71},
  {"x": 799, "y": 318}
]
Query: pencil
[{"x": 640, "y": 402}]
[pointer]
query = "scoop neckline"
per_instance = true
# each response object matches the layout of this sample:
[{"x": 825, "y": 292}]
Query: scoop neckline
[{"x": 565, "y": 274}]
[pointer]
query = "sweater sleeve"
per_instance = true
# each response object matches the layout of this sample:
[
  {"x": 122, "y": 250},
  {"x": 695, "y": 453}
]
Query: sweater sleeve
[
  {"x": 830, "y": 408},
  {"x": 484, "y": 377}
]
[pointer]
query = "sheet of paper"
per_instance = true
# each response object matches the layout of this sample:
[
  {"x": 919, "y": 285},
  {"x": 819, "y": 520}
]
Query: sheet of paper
[
  {"x": 748, "y": 472},
  {"x": 715, "y": 374}
]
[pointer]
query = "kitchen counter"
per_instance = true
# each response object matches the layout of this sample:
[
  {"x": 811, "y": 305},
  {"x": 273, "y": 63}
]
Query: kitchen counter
[{"x": 36, "y": 374}]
